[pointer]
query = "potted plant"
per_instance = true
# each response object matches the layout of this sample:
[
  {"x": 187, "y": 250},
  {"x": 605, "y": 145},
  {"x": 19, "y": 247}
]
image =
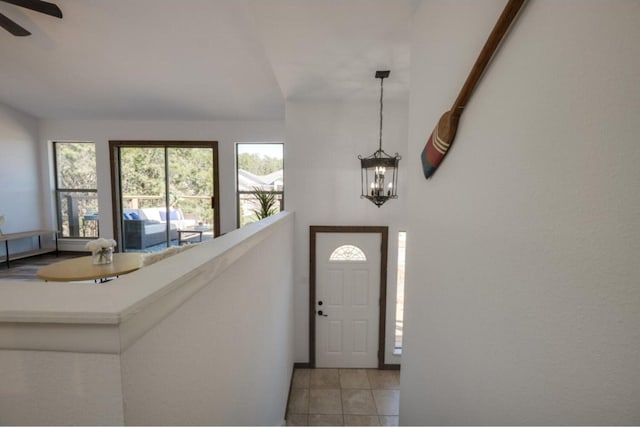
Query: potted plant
[{"x": 266, "y": 201}]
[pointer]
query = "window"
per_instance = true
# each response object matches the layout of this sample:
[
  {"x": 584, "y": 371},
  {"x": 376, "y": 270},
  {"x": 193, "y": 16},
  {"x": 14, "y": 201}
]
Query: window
[
  {"x": 260, "y": 183},
  {"x": 402, "y": 245},
  {"x": 165, "y": 192},
  {"x": 76, "y": 189},
  {"x": 348, "y": 253}
]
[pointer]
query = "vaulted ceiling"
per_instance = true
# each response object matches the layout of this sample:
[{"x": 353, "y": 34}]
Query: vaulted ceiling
[{"x": 201, "y": 59}]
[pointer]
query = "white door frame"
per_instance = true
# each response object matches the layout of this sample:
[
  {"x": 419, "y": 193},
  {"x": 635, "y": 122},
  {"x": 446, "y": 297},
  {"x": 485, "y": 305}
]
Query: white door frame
[{"x": 384, "y": 242}]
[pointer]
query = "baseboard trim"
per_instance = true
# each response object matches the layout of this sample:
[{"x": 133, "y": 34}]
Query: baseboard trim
[
  {"x": 286, "y": 408},
  {"x": 383, "y": 367},
  {"x": 389, "y": 367}
]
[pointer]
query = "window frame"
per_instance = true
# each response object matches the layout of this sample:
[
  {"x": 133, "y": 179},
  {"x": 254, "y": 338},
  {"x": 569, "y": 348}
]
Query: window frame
[
  {"x": 400, "y": 285},
  {"x": 279, "y": 194},
  {"x": 116, "y": 193},
  {"x": 58, "y": 190}
]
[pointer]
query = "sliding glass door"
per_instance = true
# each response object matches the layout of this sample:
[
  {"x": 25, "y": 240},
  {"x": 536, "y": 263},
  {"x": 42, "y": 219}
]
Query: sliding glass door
[
  {"x": 165, "y": 193},
  {"x": 191, "y": 181}
]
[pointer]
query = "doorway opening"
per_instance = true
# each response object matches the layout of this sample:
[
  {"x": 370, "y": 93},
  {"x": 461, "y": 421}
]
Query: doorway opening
[{"x": 345, "y": 293}]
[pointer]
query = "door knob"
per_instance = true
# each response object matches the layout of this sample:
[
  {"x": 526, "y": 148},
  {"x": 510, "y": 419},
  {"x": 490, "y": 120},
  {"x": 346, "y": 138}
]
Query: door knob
[{"x": 321, "y": 314}]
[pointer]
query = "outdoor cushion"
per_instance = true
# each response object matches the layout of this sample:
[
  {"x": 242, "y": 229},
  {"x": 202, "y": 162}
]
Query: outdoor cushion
[
  {"x": 174, "y": 215},
  {"x": 133, "y": 215},
  {"x": 150, "y": 213}
]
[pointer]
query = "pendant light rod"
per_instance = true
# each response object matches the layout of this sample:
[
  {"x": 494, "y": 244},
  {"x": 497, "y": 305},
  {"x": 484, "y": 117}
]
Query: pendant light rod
[{"x": 381, "y": 75}]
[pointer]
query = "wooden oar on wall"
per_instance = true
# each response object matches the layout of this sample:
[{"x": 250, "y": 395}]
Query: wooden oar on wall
[{"x": 442, "y": 136}]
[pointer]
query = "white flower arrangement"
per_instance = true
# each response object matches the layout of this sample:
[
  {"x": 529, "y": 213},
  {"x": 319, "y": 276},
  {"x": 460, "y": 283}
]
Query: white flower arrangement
[
  {"x": 101, "y": 250},
  {"x": 100, "y": 244}
]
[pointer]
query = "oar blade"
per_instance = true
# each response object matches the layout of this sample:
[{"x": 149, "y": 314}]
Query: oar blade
[
  {"x": 430, "y": 157},
  {"x": 438, "y": 144}
]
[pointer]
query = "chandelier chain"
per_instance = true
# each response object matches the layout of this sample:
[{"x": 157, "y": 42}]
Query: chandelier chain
[{"x": 381, "y": 90}]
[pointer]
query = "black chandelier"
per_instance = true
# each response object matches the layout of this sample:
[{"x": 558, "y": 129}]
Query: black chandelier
[{"x": 380, "y": 170}]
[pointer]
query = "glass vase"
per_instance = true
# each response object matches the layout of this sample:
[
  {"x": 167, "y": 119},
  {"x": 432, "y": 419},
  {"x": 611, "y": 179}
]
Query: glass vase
[{"x": 103, "y": 256}]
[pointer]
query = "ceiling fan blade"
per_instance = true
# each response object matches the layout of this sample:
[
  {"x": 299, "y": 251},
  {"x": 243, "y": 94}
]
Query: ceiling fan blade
[
  {"x": 12, "y": 27},
  {"x": 39, "y": 6}
]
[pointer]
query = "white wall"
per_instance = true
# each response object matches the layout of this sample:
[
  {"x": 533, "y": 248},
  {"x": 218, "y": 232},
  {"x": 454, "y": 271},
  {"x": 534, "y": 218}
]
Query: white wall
[
  {"x": 522, "y": 288},
  {"x": 19, "y": 174},
  {"x": 227, "y": 133},
  {"x": 60, "y": 388},
  {"x": 322, "y": 174},
  {"x": 225, "y": 356}
]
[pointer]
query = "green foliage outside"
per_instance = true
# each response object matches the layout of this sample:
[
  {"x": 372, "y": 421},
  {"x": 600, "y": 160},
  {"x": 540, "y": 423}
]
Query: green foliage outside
[
  {"x": 190, "y": 179},
  {"x": 142, "y": 172},
  {"x": 257, "y": 164},
  {"x": 76, "y": 165}
]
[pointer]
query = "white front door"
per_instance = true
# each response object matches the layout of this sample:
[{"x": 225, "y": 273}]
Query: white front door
[{"x": 347, "y": 299}]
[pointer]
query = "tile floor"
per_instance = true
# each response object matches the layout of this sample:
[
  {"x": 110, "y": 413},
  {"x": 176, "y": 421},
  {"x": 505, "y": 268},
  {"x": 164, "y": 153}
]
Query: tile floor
[{"x": 344, "y": 397}]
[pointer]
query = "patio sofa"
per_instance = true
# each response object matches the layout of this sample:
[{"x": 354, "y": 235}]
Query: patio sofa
[{"x": 147, "y": 226}]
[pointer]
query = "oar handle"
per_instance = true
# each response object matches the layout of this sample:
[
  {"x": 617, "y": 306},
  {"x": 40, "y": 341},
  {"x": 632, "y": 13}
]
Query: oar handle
[{"x": 502, "y": 25}]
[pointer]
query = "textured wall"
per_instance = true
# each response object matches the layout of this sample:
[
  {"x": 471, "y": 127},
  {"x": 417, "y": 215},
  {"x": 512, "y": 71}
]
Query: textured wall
[
  {"x": 59, "y": 388},
  {"x": 522, "y": 283}
]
